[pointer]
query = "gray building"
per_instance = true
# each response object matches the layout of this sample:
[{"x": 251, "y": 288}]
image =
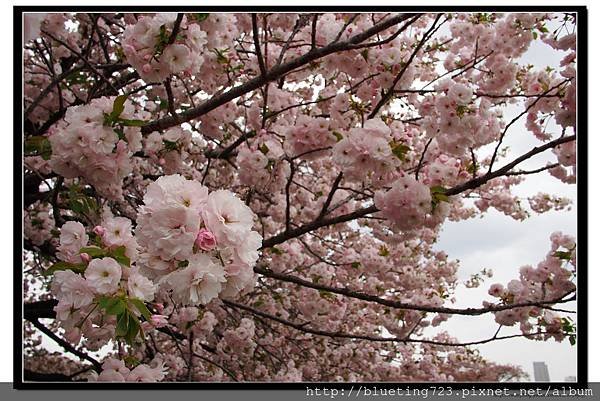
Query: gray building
[{"x": 540, "y": 372}]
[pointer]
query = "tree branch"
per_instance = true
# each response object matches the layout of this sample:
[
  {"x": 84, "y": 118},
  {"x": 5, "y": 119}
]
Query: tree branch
[
  {"x": 63, "y": 343},
  {"x": 403, "y": 305},
  {"x": 304, "y": 328},
  {"x": 261, "y": 61},
  {"x": 272, "y": 75}
]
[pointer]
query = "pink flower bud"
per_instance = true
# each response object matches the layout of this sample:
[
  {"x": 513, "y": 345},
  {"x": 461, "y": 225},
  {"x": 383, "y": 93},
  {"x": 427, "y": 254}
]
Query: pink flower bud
[
  {"x": 99, "y": 230},
  {"x": 85, "y": 257},
  {"x": 205, "y": 240},
  {"x": 146, "y": 68},
  {"x": 161, "y": 161}
]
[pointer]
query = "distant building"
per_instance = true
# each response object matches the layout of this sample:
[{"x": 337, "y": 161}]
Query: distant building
[
  {"x": 540, "y": 372},
  {"x": 571, "y": 379}
]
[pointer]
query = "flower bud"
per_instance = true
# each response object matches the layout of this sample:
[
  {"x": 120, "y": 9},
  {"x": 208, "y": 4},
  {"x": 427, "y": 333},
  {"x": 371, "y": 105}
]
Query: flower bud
[
  {"x": 99, "y": 230},
  {"x": 205, "y": 240}
]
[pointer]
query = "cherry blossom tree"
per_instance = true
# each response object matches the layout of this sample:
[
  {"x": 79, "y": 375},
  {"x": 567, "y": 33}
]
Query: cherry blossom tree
[{"x": 257, "y": 197}]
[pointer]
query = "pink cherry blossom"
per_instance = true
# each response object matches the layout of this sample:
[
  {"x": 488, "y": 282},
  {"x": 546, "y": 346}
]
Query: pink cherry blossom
[
  {"x": 103, "y": 275},
  {"x": 205, "y": 240}
]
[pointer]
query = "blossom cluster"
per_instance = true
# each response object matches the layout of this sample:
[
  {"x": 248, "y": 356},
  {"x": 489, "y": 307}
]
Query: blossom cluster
[
  {"x": 114, "y": 370},
  {"x": 168, "y": 149},
  {"x": 150, "y": 49},
  {"x": 91, "y": 273},
  {"x": 406, "y": 204},
  {"x": 307, "y": 135},
  {"x": 85, "y": 145},
  {"x": 195, "y": 243},
  {"x": 457, "y": 122},
  {"x": 550, "y": 280},
  {"x": 366, "y": 151},
  {"x": 542, "y": 202},
  {"x": 262, "y": 163}
]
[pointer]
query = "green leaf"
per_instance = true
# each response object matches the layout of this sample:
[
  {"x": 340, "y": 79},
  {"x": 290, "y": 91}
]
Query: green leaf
[
  {"x": 164, "y": 104},
  {"x": 276, "y": 251},
  {"x": 221, "y": 58},
  {"x": 162, "y": 35},
  {"x": 112, "y": 305},
  {"x": 122, "y": 324},
  {"x": 120, "y": 133},
  {"x": 131, "y": 123},
  {"x": 572, "y": 340},
  {"x": 170, "y": 145},
  {"x": 461, "y": 110},
  {"x": 338, "y": 136},
  {"x": 116, "y": 306},
  {"x": 441, "y": 197},
  {"x": 535, "y": 35},
  {"x": 140, "y": 306},
  {"x": 131, "y": 361},
  {"x": 383, "y": 251},
  {"x": 438, "y": 194},
  {"x": 365, "y": 54},
  {"x": 59, "y": 266},
  {"x": 472, "y": 168},
  {"x": 118, "y": 254},
  {"x": 264, "y": 149},
  {"x": 104, "y": 301},
  {"x": 199, "y": 17},
  {"x": 132, "y": 330},
  {"x": 118, "y": 106},
  {"x": 77, "y": 205},
  {"x": 77, "y": 77},
  {"x": 563, "y": 255},
  {"x": 399, "y": 150},
  {"x": 93, "y": 251},
  {"x": 326, "y": 294},
  {"x": 355, "y": 265},
  {"x": 38, "y": 146}
]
